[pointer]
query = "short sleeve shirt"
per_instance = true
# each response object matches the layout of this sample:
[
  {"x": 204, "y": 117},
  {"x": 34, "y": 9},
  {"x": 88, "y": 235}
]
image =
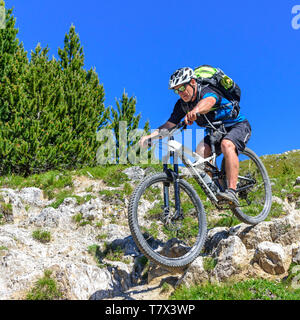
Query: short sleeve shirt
[{"x": 181, "y": 108}]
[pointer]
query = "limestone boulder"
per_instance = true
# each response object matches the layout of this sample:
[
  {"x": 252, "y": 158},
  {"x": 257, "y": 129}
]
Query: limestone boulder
[{"x": 272, "y": 258}]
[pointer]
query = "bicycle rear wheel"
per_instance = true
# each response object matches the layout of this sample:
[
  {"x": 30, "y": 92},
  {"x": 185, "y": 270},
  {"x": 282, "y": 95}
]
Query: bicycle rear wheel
[
  {"x": 253, "y": 189},
  {"x": 170, "y": 241}
]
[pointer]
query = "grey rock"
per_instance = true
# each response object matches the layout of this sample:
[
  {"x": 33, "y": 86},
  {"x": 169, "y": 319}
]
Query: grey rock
[
  {"x": 127, "y": 245},
  {"x": 11, "y": 196},
  {"x": 297, "y": 182},
  {"x": 214, "y": 236},
  {"x": 70, "y": 202},
  {"x": 286, "y": 230},
  {"x": 49, "y": 217},
  {"x": 134, "y": 173},
  {"x": 91, "y": 209},
  {"x": 174, "y": 248},
  {"x": 296, "y": 256},
  {"x": 251, "y": 236},
  {"x": 232, "y": 257},
  {"x": 32, "y": 196},
  {"x": 194, "y": 275},
  {"x": 272, "y": 258}
]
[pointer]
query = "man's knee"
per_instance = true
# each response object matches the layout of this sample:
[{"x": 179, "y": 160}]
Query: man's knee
[
  {"x": 203, "y": 150},
  {"x": 227, "y": 146}
]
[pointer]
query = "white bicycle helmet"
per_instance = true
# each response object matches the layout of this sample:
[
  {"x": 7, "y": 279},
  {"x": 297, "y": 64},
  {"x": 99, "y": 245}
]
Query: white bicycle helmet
[{"x": 181, "y": 76}]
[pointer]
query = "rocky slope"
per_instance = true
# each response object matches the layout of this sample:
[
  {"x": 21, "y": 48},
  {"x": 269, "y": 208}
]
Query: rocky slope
[{"x": 92, "y": 255}]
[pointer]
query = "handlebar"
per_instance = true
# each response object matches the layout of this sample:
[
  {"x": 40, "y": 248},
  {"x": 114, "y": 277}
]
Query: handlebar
[
  {"x": 182, "y": 125},
  {"x": 167, "y": 132}
]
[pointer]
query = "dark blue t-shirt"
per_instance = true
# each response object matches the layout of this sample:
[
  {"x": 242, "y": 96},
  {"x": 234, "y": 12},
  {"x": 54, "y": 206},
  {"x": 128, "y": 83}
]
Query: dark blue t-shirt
[{"x": 181, "y": 108}]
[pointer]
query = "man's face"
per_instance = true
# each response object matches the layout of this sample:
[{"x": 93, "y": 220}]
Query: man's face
[{"x": 187, "y": 94}]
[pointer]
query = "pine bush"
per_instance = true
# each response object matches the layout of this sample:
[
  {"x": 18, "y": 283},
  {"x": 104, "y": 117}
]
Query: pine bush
[{"x": 49, "y": 109}]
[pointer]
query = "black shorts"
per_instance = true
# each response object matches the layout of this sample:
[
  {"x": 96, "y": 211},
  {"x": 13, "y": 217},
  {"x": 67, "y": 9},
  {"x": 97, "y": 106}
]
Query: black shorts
[{"x": 239, "y": 134}]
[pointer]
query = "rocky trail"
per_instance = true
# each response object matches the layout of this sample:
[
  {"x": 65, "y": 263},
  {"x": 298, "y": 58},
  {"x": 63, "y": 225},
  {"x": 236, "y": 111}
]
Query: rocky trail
[{"x": 80, "y": 231}]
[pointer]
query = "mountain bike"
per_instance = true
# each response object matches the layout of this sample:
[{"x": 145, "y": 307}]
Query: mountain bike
[{"x": 166, "y": 215}]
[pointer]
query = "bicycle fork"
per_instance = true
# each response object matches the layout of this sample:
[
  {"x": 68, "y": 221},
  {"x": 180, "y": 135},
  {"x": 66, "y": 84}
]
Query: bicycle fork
[{"x": 175, "y": 179}]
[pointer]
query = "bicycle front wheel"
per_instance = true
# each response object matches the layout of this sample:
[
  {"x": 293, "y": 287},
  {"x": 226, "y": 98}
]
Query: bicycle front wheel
[
  {"x": 253, "y": 189},
  {"x": 170, "y": 238}
]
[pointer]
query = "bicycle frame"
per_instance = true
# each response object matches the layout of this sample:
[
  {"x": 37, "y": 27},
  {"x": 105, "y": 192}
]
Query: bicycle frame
[
  {"x": 198, "y": 168},
  {"x": 195, "y": 168},
  {"x": 177, "y": 150}
]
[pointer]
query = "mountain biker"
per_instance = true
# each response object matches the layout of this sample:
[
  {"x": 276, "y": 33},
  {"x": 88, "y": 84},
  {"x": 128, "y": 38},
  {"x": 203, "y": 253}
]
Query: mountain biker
[{"x": 194, "y": 99}]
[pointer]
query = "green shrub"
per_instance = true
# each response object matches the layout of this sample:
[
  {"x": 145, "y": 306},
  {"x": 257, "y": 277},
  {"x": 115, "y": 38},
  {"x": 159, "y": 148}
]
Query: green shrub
[
  {"x": 41, "y": 236},
  {"x": 209, "y": 263},
  {"x": 128, "y": 189},
  {"x": 45, "y": 289},
  {"x": 6, "y": 212},
  {"x": 109, "y": 253},
  {"x": 50, "y": 109}
]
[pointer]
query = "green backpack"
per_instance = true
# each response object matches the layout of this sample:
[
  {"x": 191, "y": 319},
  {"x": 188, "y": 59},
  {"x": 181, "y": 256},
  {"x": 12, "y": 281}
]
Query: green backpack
[{"x": 216, "y": 78}]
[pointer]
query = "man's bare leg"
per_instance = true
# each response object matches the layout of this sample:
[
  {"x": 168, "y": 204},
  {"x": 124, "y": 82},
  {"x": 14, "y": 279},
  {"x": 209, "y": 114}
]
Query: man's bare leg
[
  {"x": 231, "y": 162},
  {"x": 231, "y": 166},
  {"x": 232, "y": 169},
  {"x": 203, "y": 149}
]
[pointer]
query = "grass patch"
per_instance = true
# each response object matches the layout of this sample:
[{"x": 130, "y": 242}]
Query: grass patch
[
  {"x": 111, "y": 174},
  {"x": 144, "y": 264},
  {"x": 6, "y": 212},
  {"x": 254, "y": 289},
  {"x": 41, "y": 236},
  {"x": 209, "y": 263},
  {"x": 283, "y": 169},
  {"x": 276, "y": 211},
  {"x": 45, "y": 289},
  {"x": 128, "y": 189},
  {"x": 2, "y": 219},
  {"x": 100, "y": 237},
  {"x": 114, "y": 253},
  {"x": 63, "y": 194},
  {"x": 78, "y": 218},
  {"x": 94, "y": 250},
  {"x": 48, "y": 181},
  {"x": 293, "y": 274},
  {"x": 165, "y": 288},
  {"x": 6, "y": 208},
  {"x": 109, "y": 253},
  {"x": 3, "y": 250},
  {"x": 111, "y": 195},
  {"x": 224, "y": 219}
]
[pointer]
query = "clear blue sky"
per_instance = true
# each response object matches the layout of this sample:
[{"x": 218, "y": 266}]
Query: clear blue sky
[{"x": 136, "y": 45}]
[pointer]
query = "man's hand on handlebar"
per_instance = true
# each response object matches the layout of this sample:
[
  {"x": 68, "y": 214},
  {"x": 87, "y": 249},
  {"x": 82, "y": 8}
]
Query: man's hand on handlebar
[
  {"x": 191, "y": 116},
  {"x": 144, "y": 141}
]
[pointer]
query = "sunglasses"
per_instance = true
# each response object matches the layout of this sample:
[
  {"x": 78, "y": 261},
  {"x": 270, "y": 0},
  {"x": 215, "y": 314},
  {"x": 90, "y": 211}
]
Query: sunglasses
[{"x": 180, "y": 89}]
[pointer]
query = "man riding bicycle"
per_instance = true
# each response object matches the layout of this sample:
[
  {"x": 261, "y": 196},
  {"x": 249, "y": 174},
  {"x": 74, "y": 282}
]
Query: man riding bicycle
[{"x": 197, "y": 99}]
